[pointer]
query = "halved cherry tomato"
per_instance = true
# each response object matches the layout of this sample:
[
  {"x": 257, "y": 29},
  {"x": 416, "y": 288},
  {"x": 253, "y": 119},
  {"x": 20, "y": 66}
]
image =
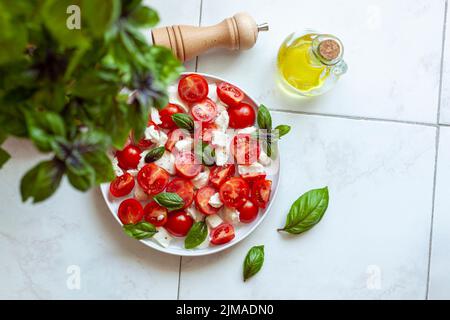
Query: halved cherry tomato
[
  {"x": 122, "y": 185},
  {"x": 155, "y": 214},
  {"x": 261, "y": 190},
  {"x": 193, "y": 88},
  {"x": 178, "y": 223},
  {"x": 202, "y": 200},
  {"x": 129, "y": 157},
  {"x": 152, "y": 179},
  {"x": 248, "y": 211},
  {"x": 222, "y": 234},
  {"x": 184, "y": 188},
  {"x": 204, "y": 111},
  {"x": 174, "y": 136},
  {"x": 252, "y": 177},
  {"x": 241, "y": 116},
  {"x": 245, "y": 149},
  {"x": 234, "y": 192},
  {"x": 229, "y": 94},
  {"x": 218, "y": 175},
  {"x": 187, "y": 165},
  {"x": 130, "y": 211},
  {"x": 166, "y": 115}
]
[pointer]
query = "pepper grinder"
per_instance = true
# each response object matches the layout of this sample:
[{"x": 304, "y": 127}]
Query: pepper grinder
[{"x": 238, "y": 32}]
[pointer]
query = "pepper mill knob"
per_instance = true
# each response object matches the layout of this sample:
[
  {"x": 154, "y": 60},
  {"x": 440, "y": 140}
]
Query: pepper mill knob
[{"x": 238, "y": 32}]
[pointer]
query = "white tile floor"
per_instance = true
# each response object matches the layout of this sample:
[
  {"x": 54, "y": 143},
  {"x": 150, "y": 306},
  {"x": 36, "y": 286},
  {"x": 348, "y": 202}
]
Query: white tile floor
[{"x": 372, "y": 140}]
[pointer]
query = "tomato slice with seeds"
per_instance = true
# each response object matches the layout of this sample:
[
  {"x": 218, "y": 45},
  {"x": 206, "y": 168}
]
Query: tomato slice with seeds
[
  {"x": 155, "y": 214},
  {"x": 184, "y": 188},
  {"x": 130, "y": 211},
  {"x": 229, "y": 94},
  {"x": 122, "y": 185},
  {"x": 260, "y": 193},
  {"x": 186, "y": 165},
  {"x": 248, "y": 211},
  {"x": 234, "y": 192},
  {"x": 193, "y": 88},
  {"x": 204, "y": 111},
  {"x": 166, "y": 113},
  {"x": 222, "y": 234},
  {"x": 202, "y": 200},
  {"x": 152, "y": 179},
  {"x": 219, "y": 175},
  {"x": 178, "y": 223},
  {"x": 245, "y": 149}
]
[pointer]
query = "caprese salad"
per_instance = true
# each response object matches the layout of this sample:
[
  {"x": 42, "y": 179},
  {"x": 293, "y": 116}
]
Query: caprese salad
[{"x": 200, "y": 169}]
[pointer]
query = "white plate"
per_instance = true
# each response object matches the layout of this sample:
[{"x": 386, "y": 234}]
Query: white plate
[{"x": 242, "y": 230}]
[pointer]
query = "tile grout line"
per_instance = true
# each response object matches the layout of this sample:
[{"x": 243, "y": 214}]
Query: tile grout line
[
  {"x": 196, "y": 68},
  {"x": 430, "y": 245}
]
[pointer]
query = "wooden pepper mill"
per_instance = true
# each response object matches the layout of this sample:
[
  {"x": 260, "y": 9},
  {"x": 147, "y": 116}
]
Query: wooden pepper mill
[{"x": 238, "y": 32}]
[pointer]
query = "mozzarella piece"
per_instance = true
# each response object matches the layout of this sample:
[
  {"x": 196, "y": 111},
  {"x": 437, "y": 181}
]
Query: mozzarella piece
[
  {"x": 195, "y": 214},
  {"x": 222, "y": 121},
  {"x": 154, "y": 115},
  {"x": 163, "y": 237},
  {"x": 230, "y": 215},
  {"x": 201, "y": 179},
  {"x": 184, "y": 145},
  {"x": 167, "y": 162},
  {"x": 248, "y": 130},
  {"x": 139, "y": 193},
  {"x": 115, "y": 164},
  {"x": 221, "y": 156},
  {"x": 219, "y": 138},
  {"x": 162, "y": 138},
  {"x": 142, "y": 162},
  {"x": 220, "y": 106},
  {"x": 264, "y": 159},
  {"x": 215, "y": 201},
  {"x": 213, "y": 221},
  {"x": 133, "y": 172},
  {"x": 152, "y": 134},
  {"x": 212, "y": 92},
  {"x": 250, "y": 169}
]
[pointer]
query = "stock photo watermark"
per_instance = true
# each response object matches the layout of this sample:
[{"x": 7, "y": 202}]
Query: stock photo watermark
[
  {"x": 73, "y": 281},
  {"x": 373, "y": 280},
  {"x": 73, "y": 22}
]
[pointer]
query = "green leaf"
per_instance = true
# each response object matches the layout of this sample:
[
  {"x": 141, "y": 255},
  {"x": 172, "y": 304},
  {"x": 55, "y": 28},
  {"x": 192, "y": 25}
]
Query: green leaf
[
  {"x": 81, "y": 181},
  {"x": 171, "y": 201},
  {"x": 183, "y": 121},
  {"x": 43, "y": 127},
  {"x": 140, "y": 230},
  {"x": 13, "y": 35},
  {"x": 154, "y": 154},
  {"x": 102, "y": 166},
  {"x": 253, "y": 261},
  {"x": 196, "y": 235},
  {"x": 4, "y": 157},
  {"x": 144, "y": 17},
  {"x": 282, "y": 130},
  {"x": 264, "y": 118},
  {"x": 41, "y": 181},
  {"x": 206, "y": 152},
  {"x": 306, "y": 211},
  {"x": 100, "y": 14}
]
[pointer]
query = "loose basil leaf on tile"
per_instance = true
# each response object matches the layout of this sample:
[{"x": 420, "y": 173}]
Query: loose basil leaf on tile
[
  {"x": 140, "y": 230},
  {"x": 169, "y": 200},
  {"x": 282, "y": 130},
  {"x": 196, "y": 235},
  {"x": 4, "y": 157},
  {"x": 154, "y": 154},
  {"x": 253, "y": 261},
  {"x": 306, "y": 211}
]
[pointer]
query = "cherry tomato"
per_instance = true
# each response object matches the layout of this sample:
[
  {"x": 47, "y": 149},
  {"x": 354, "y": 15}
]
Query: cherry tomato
[
  {"x": 166, "y": 115},
  {"x": 184, "y": 188},
  {"x": 222, "y": 234},
  {"x": 204, "y": 111},
  {"x": 241, "y": 116},
  {"x": 234, "y": 192},
  {"x": 155, "y": 214},
  {"x": 144, "y": 143},
  {"x": 193, "y": 88},
  {"x": 178, "y": 223},
  {"x": 248, "y": 211},
  {"x": 174, "y": 136},
  {"x": 129, "y": 157},
  {"x": 152, "y": 179},
  {"x": 245, "y": 149},
  {"x": 121, "y": 186},
  {"x": 218, "y": 175},
  {"x": 252, "y": 177},
  {"x": 187, "y": 165},
  {"x": 261, "y": 190},
  {"x": 202, "y": 200},
  {"x": 229, "y": 94},
  {"x": 130, "y": 211}
]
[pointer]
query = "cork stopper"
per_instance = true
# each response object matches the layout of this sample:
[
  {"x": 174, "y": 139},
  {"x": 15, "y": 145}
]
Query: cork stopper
[{"x": 329, "y": 49}]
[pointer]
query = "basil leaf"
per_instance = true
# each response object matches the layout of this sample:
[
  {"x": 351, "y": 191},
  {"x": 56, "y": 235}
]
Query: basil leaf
[
  {"x": 171, "y": 201},
  {"x": 196, "y": 235},
  {"x": 183, "y": 121},
  {"x": 154, "y": 154},
  {"x": 140, "y": 230},
  {"x": 4, "y": 157},
  {"x": 264, "y": 118},
  {"x": 282, "y": 130},
  {"x": 253, "y": 261},
  {"x": 306, "y": 211},
  {"x": 206, "y": 153}
]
